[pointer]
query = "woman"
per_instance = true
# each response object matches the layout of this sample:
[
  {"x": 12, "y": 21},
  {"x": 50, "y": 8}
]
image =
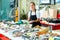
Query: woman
[{"x": 33, "y": 15}]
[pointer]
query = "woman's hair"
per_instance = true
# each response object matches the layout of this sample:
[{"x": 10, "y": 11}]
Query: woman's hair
[{"x": 32, "y": 3}]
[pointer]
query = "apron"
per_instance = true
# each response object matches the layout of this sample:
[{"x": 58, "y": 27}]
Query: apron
[{"x": 34, "y": 17}]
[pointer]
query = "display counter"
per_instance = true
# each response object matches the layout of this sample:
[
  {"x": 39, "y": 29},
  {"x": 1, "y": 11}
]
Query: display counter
[{"x": 25, "y": 32}]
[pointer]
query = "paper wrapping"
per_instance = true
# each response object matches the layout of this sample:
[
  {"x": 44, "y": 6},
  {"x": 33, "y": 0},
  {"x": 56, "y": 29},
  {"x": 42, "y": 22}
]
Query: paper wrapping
[{"x": 52, "y": 13}]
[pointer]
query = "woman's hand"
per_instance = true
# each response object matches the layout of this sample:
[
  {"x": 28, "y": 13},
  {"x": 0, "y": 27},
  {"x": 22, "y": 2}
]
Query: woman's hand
[{"x": 31, "y": 21}]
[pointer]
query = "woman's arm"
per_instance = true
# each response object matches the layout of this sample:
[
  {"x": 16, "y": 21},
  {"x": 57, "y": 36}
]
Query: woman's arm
[
  {"x": 28, "y": 19},
  {"x": 28, "y": 16}
]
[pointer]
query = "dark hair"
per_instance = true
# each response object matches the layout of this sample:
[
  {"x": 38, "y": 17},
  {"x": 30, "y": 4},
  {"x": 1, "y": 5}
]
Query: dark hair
[{"x": 32, "y": 3}]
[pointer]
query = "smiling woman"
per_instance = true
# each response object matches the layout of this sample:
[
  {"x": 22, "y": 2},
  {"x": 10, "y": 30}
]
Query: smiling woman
[{"x": 33, "y": 15}]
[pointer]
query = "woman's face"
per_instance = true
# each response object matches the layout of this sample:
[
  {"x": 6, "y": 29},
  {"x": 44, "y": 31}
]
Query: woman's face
[{"x": 32, "y": 6}]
